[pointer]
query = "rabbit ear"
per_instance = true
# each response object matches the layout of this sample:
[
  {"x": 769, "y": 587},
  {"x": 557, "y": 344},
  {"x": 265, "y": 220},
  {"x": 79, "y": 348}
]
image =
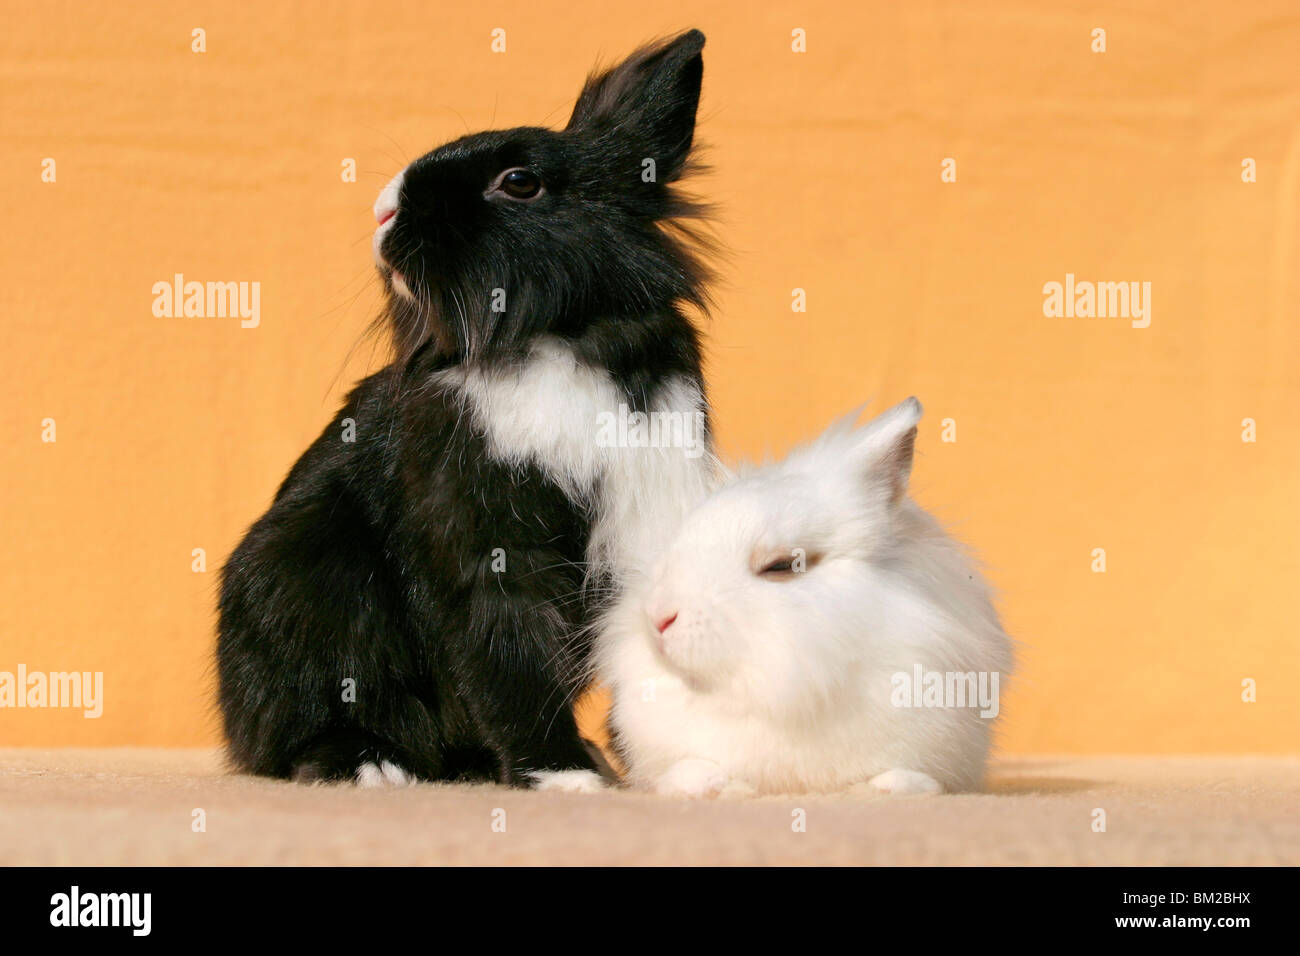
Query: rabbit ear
[
  {"x": 884, "y": 447},
  {"x": 650, "y": 99}
]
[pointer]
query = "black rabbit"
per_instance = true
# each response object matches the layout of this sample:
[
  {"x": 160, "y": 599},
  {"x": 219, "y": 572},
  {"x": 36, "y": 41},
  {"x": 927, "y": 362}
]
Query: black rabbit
[{"x": 416, "y": 603}]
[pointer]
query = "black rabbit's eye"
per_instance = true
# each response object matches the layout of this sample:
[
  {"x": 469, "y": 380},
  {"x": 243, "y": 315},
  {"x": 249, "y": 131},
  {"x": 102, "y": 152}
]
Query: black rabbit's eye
[{"x": 520, "y": 183}]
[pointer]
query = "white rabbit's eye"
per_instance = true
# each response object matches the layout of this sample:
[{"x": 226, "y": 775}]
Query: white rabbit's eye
[
  {"x": 518, "y": 183},
  {"x": 780, "y": 568},
  {"x": 782, "y": 565}
]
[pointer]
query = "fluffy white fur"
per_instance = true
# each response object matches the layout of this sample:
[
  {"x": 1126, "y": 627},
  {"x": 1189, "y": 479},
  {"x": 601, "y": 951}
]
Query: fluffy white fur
[
  {"x": 547, "y": 410},
  {"x": 776, "y": 683}
]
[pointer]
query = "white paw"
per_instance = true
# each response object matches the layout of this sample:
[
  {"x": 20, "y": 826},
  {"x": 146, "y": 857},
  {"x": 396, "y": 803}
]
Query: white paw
[
  {"x": 383, "y": 774},
  {"x": 567, "y": 781},
  {"x": 693, "y": 777},
  {"x": 901, "y": 782},
  {"x": 738, "y": 790}
]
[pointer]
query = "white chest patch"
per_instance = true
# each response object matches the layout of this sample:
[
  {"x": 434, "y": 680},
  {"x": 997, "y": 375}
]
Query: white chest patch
[{"x": 640, "y": 473}]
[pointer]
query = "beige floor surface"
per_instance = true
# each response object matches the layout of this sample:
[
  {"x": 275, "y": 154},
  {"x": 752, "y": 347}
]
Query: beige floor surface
[{"x": 136, "y": 807}]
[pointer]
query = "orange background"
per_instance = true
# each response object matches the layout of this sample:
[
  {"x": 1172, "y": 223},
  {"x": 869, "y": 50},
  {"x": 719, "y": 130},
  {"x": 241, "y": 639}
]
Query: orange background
[{"x": 1072, "y": 434}]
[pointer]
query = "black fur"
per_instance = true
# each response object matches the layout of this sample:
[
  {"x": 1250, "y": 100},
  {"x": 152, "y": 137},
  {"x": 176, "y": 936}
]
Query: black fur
[{"x": 375, "y": 561}]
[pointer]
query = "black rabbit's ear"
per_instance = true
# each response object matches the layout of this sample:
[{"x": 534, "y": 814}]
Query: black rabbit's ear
[{"x": 649, "y": 99}]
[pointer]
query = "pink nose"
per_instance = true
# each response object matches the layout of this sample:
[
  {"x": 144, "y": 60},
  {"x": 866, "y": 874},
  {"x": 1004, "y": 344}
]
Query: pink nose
[
  {"x": 666, "y": 623},
  {"x": 385, "y": 216}
]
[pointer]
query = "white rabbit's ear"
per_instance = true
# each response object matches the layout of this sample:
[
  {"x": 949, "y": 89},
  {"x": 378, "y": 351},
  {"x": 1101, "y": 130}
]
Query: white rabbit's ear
[{"x": 883, "y": 448}]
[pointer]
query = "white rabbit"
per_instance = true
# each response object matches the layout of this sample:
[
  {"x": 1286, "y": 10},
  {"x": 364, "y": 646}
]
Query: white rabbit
[{"x": 778, "y": 644}]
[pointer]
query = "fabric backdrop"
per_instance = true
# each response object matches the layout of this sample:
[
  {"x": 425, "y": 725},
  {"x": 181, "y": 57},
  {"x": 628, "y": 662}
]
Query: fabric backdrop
[{"x": 922, "y": 171}]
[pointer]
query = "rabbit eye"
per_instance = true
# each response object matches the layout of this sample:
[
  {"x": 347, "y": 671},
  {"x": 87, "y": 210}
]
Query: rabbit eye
[
  {"x": 519, "y": 183},
  {"x": 783, "y": 567},
  {"x": 780, "y": 568}
]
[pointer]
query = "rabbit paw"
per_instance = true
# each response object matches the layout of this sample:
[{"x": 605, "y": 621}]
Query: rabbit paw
[
  {"x": 383, "y": 774},
  {"x": 693, "y": 777},
  {"x": 567, "y": 781},
  {"x": 738, "y": 790},
  {"x": 903, "y": 782}
]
